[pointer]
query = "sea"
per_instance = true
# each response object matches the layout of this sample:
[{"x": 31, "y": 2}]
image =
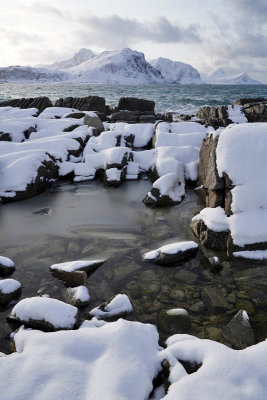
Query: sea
[{"x": 181, "y": 99}]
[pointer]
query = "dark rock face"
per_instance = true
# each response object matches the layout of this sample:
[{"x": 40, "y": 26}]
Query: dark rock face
[
  {"x": 72, "y": 279},
  {"x": 90, "y": 103},
  {"x": 133, "y": 117},
  {"x": 256, "y": 112},
  {"x": 38, "y": 102},
  {"x": 214, "y": 116},
  {"x": 5, "y": 298},
  {"x": 208, "y": 238},
  {"x": 46, "y": 174},
  {"x": 239, "y": 331},
  {"x": 6, "y": 271},
  {"x": 134, "y": 104}
]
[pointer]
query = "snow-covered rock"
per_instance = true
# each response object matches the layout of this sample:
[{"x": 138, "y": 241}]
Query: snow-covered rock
[
  {"x": 78, "y": 296},
  {"x": 172, "y": 253},
  {"x": 7, "y": 266},
  {"x": 167, "y": 190},
  {"x": 44, "y": 313},
  {"x": 176, "y": 72},
  {"x": 117, "y": 306},
  {"x": 119, "y": 66},
  {"x": 9, "y": 290},
  {"x": 117, "y": 360},
  {"x": 220, "y": 77}
]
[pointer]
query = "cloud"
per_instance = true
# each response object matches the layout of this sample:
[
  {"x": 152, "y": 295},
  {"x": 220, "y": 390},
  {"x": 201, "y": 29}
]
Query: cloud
[
  {"x": 45, "y": 9},
  {"x": 16, "y": 38},
  {"x": 115, "y": 31}
]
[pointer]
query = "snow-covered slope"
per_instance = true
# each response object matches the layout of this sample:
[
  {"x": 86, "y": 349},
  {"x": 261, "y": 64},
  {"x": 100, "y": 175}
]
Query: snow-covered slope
[
  {"x": 220, "y": 77},
  {"x": 119, "y": 66},
  {"x": 28, "y": 74},
  {"x": 176, "y": 72},
  {"x": 81, "y": 56}
]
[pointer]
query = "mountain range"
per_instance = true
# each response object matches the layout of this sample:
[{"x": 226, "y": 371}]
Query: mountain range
[{"x": 124, "y": 66}]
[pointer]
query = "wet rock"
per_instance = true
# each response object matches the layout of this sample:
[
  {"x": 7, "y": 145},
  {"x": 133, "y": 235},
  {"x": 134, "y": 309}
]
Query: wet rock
[
  {"x": 72, "y": 279},
  {"x": 9, "y": 290},
  {"x": 208, "y": 238},
  {"x": 242, "y": 304},
  {"x": 198, "y": 307},
  {"x": 172, "y": 254},
  {"x": 43, "y": 211},
  {"x": 78, "y": 296},
  {"x": 186, "y": 277},
  {"x": 214, "y": 299},
  {"x": 239, "y": 331},
  {"x": 174, "y": 321},
  {"x": 95, "y": 122},
  {"x": 213, "y": 333},
  {"x": 177, "y": 294},
  {"x": 135, "y": 104},
  {"x": 7, "y": 266}
]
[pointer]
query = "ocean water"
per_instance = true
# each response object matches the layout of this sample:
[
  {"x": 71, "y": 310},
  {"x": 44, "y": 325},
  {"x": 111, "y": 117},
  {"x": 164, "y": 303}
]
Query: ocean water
[{"x": 177, "y": 98}]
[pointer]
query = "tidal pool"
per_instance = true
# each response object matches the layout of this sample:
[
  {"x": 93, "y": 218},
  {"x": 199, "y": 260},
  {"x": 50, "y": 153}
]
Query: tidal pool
[{"x": 87, "y": 221}]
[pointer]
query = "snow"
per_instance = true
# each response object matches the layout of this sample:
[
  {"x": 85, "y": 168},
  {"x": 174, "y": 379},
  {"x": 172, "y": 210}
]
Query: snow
[
  {"x": 80, "y": 293},
  {"x": 172, "y": 248},
  {"x": 188, "y": 139},
  {"x": 177, "y": 311},
  {"x": 7, "y": 262},
  {"x": 247, "y": 142},
  {"x": 171, "y": 185},
  {"x": 16, "y": 127},
  {"x": 71, "y": 266},
  {"x": 120, "y": 304},
  {"x": 236, "y": 114},
  {"x": 57, "y": 313},
  {"x": 17, "y": 170},
  {"x": 145, "y": 159},
  {"x": 214, "y": 218},
  {"x": 15, "y": 112},
  {"x": 176, "y": 72},
  {"x": 252, "y": 254},
  {"x": 118, "y": 360},
  {"x": 56, "y": 112},
  {"x": 9, "y": 285},
  {"x": 143, "y": 133},
  {"x": 220, "y": 77},
  {"x": 113, "y": 174},
  {"x": 225, "y": 373},
  {"x": 78, "y": 58}
]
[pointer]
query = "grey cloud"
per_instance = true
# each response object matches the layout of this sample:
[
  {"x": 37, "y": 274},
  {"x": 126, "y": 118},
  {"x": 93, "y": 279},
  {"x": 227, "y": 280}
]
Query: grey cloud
[
  {"x": 41, "y": 8},
  {"x": 118, "y": 31},
  {"x": 16, "y": 38}
]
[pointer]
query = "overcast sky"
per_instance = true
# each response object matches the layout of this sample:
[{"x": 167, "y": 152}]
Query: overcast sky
[{"x": 207, "y": 34}]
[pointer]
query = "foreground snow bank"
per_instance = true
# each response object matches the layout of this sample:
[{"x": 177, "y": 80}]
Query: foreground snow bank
[
  {"x": 115, "y": 361},
  {"x": 225, "y": 374}
]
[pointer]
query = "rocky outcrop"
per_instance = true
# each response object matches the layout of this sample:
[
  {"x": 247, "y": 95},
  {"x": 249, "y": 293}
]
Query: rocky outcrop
[
  {"x": 38, "y": 102},
  {"x": 256, "y": 112},
  {"x": 89, "y": 103},
  {"x": 214, "y": 116},
  {"x": 133, "y": 117},
  {"x": 134, "y": 104}
]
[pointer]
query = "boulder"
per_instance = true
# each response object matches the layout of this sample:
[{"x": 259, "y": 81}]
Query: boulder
[
  {"x": 135, "y": 104},
  {"x": 9, "y": 290},
  {"x": 89, "y": 103},
  {"x": 7, "y": 266},
  {"x": 209, "y": 238},
  {"x": 214, "y": 116},
  {"x": 44, "y": 313},
  {"x": 78, "y": 296},
  {"x": 72, "y": 279},
  {"x": 239, "y": 331},
  {"x": 95, "y": 122},
  {"x": 172, "y": 254},
  {"x": 256, "y": 112},
  {"x": 116, "y": 306},
  {"x": 167, "y": 190}
]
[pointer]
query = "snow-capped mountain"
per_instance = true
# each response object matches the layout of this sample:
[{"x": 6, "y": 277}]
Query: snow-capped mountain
[
  {"x": 119, "y": 66},
  {"x": 18, "y": 73},
  {"x": 219, "y": 77},
  {"x": 81, "y": 56},
  {"x": 176, "y": 72}
]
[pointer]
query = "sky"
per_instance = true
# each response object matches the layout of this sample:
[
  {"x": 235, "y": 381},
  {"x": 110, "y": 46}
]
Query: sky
[{"x": 207, "y": 34}]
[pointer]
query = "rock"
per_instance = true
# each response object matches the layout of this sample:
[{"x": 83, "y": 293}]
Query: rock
[
  {"x": 115, "y": 176},
  {"x": 38, "y": 102},
  {"x": 9, "y": 290},
  {"x": 119, "y": 157},
  {"x": 114, "y": 307},
  {"x": 214, "y": 299},
  {"x": 214, "y": 116},
  {"x": 44, "y": 313},
  {"x": 95, "y": 122},
  {"x": 239, "y": 331},
  {"x": 209, "y": 238},
  {"x": 186, "y": 277},
  {"x": 256, "y": 112},
  {"x": 76, "y": 115},
  {"x": 78, "y": 296},
  {"x": 73, "y": 279},
  {"x": 177, "y": 294},
  {"x": 246, "y": 100},
  {"x": 88, "y": 266},
  {"x": 134, "y": 104},
  {"x": 43, "y": 211},
  {"x": 172, "y": 254},
  {"x": 197, "y": 307},
  {"x": 7, "y": 266},
  {"x": 174, "y": 321},
  {"x": 167, "y": 190},
  {"x": 215, "y": 263},
  {"x": 89, "y": 103},
  {"x": 126, "y": 116}
]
